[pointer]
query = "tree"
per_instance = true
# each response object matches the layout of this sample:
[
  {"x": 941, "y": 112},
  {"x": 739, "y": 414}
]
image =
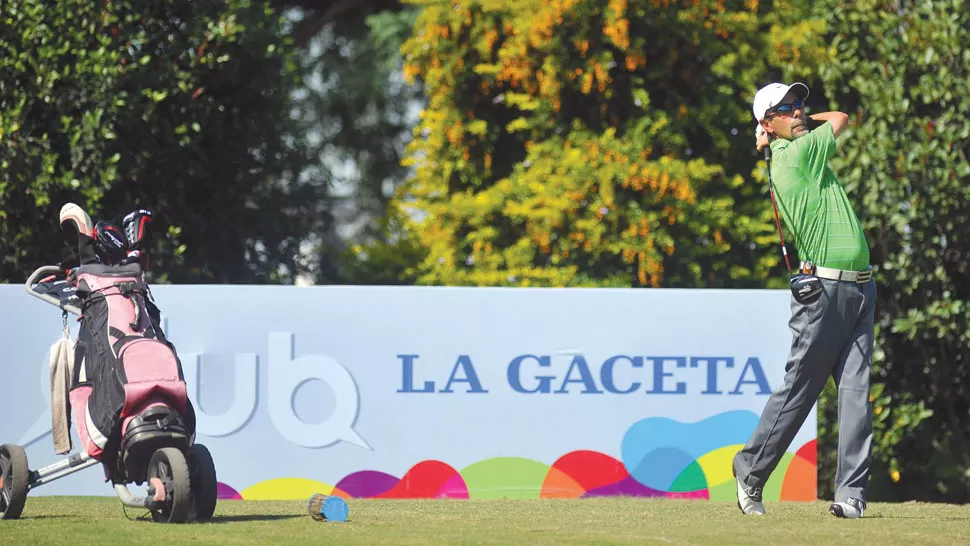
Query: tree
[
  {"x": 179, "y": 106},
  {"x": 572, "y": 142},
  {"x": 902, "y": 70},
  {"x": 317, "y": 15},
  {"x": 358, "y": 114}
]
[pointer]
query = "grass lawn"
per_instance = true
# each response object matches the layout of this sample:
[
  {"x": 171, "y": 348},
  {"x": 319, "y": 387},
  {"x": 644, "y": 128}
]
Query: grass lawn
[{"x": 90, "y": 520}]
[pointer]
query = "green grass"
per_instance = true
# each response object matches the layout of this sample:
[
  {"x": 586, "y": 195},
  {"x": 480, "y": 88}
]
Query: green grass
[{"x": 85, "y": 520}]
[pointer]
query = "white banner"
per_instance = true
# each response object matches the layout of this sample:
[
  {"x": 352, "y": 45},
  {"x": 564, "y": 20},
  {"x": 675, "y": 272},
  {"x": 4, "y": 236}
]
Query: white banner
[{"x": 438, "y": 392}]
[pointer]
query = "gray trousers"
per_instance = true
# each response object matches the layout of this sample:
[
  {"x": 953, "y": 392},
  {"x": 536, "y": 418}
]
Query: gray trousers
[{"x": 832, "y": 336}]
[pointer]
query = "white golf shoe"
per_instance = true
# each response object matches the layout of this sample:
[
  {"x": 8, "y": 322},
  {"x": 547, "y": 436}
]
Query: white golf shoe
[
  {"x": 749, "y": 500},
  {"x": 850, "y": 508}
]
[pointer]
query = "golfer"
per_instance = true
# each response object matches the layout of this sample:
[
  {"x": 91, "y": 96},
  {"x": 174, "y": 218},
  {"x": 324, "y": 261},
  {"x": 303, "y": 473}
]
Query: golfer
[{"x": 832, "y": 335}]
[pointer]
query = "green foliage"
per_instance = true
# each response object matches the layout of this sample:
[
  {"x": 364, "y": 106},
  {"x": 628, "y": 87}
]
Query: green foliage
[
  {"x": 903, "y": 70},
  {"x": 390, "y": 258},
  {"x": 179, "y": 106},
  {"x": 54, "y": 104},
  {"x": 573, "y": 142}
]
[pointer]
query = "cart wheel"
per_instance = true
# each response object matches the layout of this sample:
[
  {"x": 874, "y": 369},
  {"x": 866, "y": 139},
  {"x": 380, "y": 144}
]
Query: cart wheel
[
  {"x": 14, "y": 480},
  {"x": 169, "y": 465},
  {"x": 205, "y": 492}
]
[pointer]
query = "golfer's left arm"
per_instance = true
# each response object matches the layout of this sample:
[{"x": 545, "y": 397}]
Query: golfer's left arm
[{"x": 839, "y": 120}]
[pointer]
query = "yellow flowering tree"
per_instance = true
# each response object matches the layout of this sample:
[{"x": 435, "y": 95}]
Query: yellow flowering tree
[{"x": 595, "y": 143}]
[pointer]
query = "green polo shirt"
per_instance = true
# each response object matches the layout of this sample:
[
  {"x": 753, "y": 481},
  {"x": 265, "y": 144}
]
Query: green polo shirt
[{"x": 813, "y": 203}]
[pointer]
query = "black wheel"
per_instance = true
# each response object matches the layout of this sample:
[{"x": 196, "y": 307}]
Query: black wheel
[
  {"x": 169, "y": 466},
  {"x": 205, "y": 486},
  {"x": 14, "y": 481}
]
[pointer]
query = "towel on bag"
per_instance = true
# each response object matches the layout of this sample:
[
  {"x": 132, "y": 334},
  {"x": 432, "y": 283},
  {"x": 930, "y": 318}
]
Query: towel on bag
[{"x": 62, "y": 367}]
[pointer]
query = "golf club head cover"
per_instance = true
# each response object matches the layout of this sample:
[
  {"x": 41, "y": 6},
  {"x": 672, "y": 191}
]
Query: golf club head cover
[
  {"x": 806, "y": 288},
  {"x": 76, "y": 222},
  {"x": 137, "y": 231},
  {"x": 112, "y": 244},
  {"x": 137, "y": 228}
]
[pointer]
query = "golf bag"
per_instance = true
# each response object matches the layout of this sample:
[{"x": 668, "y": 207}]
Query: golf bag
[
  {"x": 121, "y": 382},
  {"x": 128, "y": 392}
]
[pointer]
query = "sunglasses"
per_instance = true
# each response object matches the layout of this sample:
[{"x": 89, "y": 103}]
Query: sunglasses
[{"x": 786, "y": 108}]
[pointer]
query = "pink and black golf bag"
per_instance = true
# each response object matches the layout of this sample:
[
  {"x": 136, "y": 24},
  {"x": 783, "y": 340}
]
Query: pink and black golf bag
[
  {"x": 121, "y": 381},
  {"x": 128, "y": 392}
]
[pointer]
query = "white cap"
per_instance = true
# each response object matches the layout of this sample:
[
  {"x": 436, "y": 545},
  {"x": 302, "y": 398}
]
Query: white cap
[{"x": 774, "y": 94}]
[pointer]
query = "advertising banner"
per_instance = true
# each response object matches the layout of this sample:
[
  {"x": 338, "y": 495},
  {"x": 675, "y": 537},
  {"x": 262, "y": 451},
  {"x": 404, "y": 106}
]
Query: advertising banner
[{"x": 439, "y": 392}]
